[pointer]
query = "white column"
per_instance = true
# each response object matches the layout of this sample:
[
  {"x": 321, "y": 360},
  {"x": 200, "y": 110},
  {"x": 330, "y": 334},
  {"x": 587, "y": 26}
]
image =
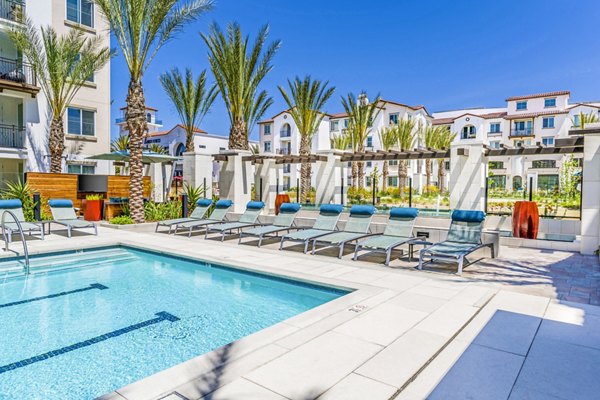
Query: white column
[
  {"x": 590, "y": 192},
  {"x": 196, "y": 169},
  {"x": 155, "y": 172},
  {"x": 467, "y": 176},
  {"x": 328, "y": 177},
  {"x": 235, "y": 180},
  {"x": 268, "y": 172}
]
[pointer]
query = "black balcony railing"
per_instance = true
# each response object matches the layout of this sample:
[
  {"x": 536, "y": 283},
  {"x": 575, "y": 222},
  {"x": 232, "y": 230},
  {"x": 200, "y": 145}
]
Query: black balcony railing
[
  {"x": 12, "y": 10},
  {"x": 17, "y": 71},
  {"x": 12, "y": 136},
  {"x": 522, "y": 132}
]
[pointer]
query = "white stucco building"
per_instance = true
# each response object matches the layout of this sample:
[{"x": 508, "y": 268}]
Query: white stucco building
[{"x": 24, "y": 116}]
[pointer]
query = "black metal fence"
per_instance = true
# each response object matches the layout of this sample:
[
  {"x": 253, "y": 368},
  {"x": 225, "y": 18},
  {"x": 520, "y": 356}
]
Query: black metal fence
[
  {"x": 12, "y": 10},
  {"x": 16, "y": 70},
  {"x": 12, "y": 136}
]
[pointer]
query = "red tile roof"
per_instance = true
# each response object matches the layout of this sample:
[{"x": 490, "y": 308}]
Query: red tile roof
[
  {"x": 535, "y": 114},
  {"x": 532, "y": 96},
  {"x": 442, "y": 121}
]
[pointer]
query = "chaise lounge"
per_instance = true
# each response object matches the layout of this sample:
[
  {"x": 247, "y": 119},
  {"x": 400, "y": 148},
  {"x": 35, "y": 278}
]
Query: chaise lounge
[
  {"x": 218, "y": 215},
  {"x": 326, "y": 222},
  {"x": 202, "y": 207},
  {"x": 282, "y": 222},
  {"x": 10, "y": 226},
  {"x": 63, "y": 214},
  {"x": 464, "y": 237},
  {"x": 248, "y": 219}
]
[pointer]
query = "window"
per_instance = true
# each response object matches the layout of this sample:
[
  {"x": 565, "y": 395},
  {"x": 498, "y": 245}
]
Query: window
[
  {"x": 497, "y": 181},
  {"x": 496, "y": 165},
  {"x": 202, "y": 146},
  {"x": 345, "y": 123},
  {"x": 368, "y": 184},
  {"x": 576, "y": 120},
  {"x": 523, "y": 128},
  {"x": 393, "y": 181},
  {"x": 285, "y": 131},
  {"x": 547, "y": 141},
  {"x": 547, "y": 182},
  {"x": 495, "y": 144},
  {"x": 91, "y": 77},
  {"x": 521, "y": 105},
  {"x": 81, "y": 12},
  {"x": 334, "y": 126},
  {"x": 468, "y": 132},
  {"x": 548, "y": 122},
  {"x": 180, "y": 150},
  {"x": 80, "y": 122},
  {"x": 543, "y": 164},
  {"x": 517, "y": 183},
  {"x": 221, "y": 148},
  {"x": 550, "y": 102},
  {"x": 394, "y": 119},
  {"x": 267, "y": 129},
  {"x": 409, "y": 116},
  {"x": 447, "y": 165},
  {"x": 369, "y": 141},
  {"x": 369, "y": 163},
  {"x": 287, "y": 168},
  {"x": 393, "y": 162},
  {"x": 495, "y": 127},
  {"x": 267, "y": 147},
  {"x": 81, "y": 169}
]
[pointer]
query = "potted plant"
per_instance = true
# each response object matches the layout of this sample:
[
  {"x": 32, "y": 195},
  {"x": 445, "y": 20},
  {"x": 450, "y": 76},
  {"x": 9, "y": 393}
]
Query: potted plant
[{"x": 93, "y": 207}]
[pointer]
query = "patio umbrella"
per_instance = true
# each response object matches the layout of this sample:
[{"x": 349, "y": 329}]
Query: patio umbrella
[{"x": 148, "y": 157}]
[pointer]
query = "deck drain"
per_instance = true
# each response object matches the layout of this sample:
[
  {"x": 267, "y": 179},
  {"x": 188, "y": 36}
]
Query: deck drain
[{"x": 357, "y": 308}]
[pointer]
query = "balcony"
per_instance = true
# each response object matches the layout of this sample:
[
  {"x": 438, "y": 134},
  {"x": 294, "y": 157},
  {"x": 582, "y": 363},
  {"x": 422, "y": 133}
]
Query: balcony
[
  {"x": 17, "y": 75},
  {"x": 12, "y": 10},
  {"x": 284, "y": 152},
  {"x": 521, "y": 132},
  {"x": 285, "y": 134},
  {"x": 12, "y": 137},
  {"x": 122, "y": 120}
]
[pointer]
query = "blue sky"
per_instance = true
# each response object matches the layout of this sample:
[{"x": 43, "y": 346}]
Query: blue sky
[{"x": 441, "y": 53}]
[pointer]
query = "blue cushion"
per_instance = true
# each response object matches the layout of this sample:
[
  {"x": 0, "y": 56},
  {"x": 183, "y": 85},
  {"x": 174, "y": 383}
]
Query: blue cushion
[
  {"x": 255, "y": 205},
  {"x": 362, "y": 210},
  {"x": 468, "y": 216},
  {"x": 289, "y": 208},
  {"x": 404, "y": 212},
  {"x": 60, "y": 203},
  {"x": 331, "y": 208},
  {"x": 224, "y": 203},
  {"x": 11, "y": 203},
  {"x": 204, "y": 202}
]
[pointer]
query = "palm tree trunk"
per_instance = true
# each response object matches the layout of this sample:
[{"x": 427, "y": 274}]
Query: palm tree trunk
[
  {"x": 361, "y": 174},
  {"x": 354, "y": 174},
  {"x": 56, "y": 144},
  {"x": 238, "y": 137},
  {"x": 189, "y": 140},
  {"x": 385, "y": 174},
  {"x": 441, "y": 175},
  {"x": 428, "y": 172},
  {"x": 136, "y": 123},
  {"x": 305, "y": 169},
  {"x": 402, "y": 174}
]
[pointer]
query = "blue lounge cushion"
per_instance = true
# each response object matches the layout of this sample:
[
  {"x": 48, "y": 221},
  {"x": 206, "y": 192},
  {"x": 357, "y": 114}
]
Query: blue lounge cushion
[
  {"x": 255, "y": 205},
  {"x": 468, "y": 216},
  {"x": 10, "y": 203},
  {"x": 404, "y": 212},
  {"x": 362, "y": 210},
  {"x": 224, "y": 203},
  {"x": 331, "y": 208},
  {"x": 204, "y": 202},
  {"x": 289, "y": 208},
  {"x": 60, "y": 203}
]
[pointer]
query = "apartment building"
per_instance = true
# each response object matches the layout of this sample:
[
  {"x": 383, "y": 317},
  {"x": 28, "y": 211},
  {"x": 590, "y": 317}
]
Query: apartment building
[
  {"x": 279, "y": 135},
  {"x": 24, "y": 115},
  {"x": 529, "y": 120}
]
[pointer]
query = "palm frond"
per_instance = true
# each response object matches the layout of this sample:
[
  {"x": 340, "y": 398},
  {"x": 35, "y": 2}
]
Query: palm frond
[
  {"x": 120, "y": 144},
  {"x": 361, "y": 115}
]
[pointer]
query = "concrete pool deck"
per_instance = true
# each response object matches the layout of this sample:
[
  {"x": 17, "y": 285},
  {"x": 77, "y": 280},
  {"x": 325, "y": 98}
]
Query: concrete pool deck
[{"x": 504, "y": 330}]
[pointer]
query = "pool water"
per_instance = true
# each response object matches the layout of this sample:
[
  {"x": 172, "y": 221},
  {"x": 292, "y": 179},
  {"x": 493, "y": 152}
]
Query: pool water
[{"x": 110, "y": 317}]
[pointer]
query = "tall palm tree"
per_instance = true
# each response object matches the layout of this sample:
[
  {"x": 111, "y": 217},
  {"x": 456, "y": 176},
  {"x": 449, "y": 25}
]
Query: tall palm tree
[
  {"x": 306, "y": 100},
  {"x": 361, "y": 114},
  {"x": 62, "y": 65},
  {"x": 430, "y": 139},
  {"x": 584, "y": 119},
  {"x": 239, "y": 70},
  {"x": 388, "y": 138},
  {"x": 444, "y": 140},
  {"x": 141, "y": 28},
  {"x": 191, "y": 98},
  {"x": 405, "y": 135},
  {"x": 340, "y": 141}
]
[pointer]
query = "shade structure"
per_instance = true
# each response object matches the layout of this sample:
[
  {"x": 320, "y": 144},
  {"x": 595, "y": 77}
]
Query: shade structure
[{"x": 148, "y": 157}]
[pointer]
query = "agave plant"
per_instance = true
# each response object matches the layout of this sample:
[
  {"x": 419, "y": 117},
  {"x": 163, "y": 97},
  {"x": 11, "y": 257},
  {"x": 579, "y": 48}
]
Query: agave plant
[
  {"x": 194, "y": 193},
  {"x": 239, "y": 70},
  {"x": 21, "y": 190},
  {"x": 141, "y": 28}
]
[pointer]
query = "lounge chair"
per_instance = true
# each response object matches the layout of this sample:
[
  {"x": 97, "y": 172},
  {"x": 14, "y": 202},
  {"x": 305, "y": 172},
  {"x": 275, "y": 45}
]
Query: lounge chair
[
  {"x": 282, "y": 222},
  {"x": 10, "y": 226},
  {"x": 464, "y": 237},
  {"x": 357, "y": 227},
  {"x": 247, "y": 220},
  {"x": 63, "y": 213},
  {"x": 218, "y": 215},
  {"x": 398, "y": 231},
  {"x": 326, "y": 222},
  {"x": 198, "y": 214}
]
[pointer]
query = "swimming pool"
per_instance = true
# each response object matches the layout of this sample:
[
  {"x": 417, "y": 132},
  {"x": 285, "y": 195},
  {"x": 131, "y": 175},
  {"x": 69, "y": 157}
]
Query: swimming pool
[{"x": 113, "y": 316}]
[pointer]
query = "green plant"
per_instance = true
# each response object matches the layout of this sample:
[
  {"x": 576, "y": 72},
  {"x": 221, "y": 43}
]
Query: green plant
[
  {"x": 94, "y": 197},
  {"x": 194, "y": 193},
  {"x": 21, "y": 190},
  {"x": 160, "y": 211},
  {"x": 122, "y": 220}
]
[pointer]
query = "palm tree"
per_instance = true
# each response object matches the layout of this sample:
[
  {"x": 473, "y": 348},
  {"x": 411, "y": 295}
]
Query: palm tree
[
  {"x": 191, "y": 99},
  {"x": 158, "y": 149},
  {"x": 120, "y": 144},
  {"x": 306, "y": 99},
  {"x": 430, "y": 139},
  {"x": 361, "y": 115},
  {"x": 405, "y": 135},
  {"x": 388, "y": 139},
  {"x": 238, "y": 72},
  {"x": 141, "y": 28},
  {"x": 584, "y": 119},
  {"x": 444, "y": 140},
  {"x": 62, "y": 65},
  {"x": 340, "y": 142}
]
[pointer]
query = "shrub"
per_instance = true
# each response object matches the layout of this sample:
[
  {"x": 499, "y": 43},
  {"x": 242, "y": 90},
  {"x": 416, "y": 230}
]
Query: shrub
[
  {"x": 122, "y": 220},
  {"x": 22, "y": 191},
  {"x": 94, "y": 197},
  {"x": 431, "y": 191},
  {"x": 160, "y": 211}
]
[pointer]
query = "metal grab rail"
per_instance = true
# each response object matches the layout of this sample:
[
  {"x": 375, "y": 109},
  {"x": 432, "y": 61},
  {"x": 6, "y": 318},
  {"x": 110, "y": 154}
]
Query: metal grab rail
[{"x": 25, "y": 251}]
